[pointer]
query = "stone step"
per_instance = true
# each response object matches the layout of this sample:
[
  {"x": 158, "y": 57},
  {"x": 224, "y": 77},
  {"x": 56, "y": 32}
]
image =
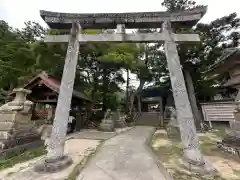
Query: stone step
[
  {"x": 5, "y": 126},
  {"x": 149, "y": 119}
]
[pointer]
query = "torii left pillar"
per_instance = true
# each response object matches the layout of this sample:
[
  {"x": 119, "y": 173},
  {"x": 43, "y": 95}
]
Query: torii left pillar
[{"x": 56, "y": 160}]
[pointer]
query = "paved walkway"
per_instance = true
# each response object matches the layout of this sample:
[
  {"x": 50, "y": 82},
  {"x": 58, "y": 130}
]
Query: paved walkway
[
  {"x": 95, "y": 134},
  {"x": 125, "y": 157}
]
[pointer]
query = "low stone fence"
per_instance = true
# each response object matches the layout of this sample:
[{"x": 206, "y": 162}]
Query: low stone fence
[{"x": 230, "y": 150}]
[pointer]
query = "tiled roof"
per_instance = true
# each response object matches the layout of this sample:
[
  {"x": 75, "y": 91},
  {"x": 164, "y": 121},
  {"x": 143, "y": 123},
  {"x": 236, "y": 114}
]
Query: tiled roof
[{"x": 52, "y": 83}]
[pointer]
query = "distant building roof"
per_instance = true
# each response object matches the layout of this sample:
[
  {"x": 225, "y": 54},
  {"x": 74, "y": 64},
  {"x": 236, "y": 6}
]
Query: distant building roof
[
  {"x": 52, "y": 83},
  {"x": 227, "y": 53}
]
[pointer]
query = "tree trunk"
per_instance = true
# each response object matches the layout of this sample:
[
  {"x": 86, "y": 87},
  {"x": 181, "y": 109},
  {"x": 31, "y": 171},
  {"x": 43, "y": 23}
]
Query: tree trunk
[
  {"x": 192, "y": 98},
  {"x": 89, "y": 110},
  {"x": 161, "y": 118},
  {"x": 139, "y": 103},
  {"x": 139, "y": 90},
  {"x": 127, "y": 93},
  {"x": 105, "y": 89}
]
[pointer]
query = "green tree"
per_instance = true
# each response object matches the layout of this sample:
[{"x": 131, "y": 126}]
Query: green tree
[
  {"x": 216, "y": 36},
  {"x": 127, "y": 57},
  {"x": 23, "y": 54}
]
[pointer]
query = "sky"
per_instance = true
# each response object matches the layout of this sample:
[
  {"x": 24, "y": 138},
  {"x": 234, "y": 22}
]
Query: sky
[{"x": 16, "y": 12}]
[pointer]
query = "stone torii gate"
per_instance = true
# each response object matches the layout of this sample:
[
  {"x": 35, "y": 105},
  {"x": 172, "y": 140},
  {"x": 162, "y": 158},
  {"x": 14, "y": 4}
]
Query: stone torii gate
[{"x": 192, "y": 155}]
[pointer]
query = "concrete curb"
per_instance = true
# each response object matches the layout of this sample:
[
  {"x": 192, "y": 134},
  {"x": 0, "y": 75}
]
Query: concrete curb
[{"x": 155, "y": 158}]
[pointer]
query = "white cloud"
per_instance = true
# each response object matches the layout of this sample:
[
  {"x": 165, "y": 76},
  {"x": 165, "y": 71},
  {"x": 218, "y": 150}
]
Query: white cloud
[{"x": 16, "y": 12}]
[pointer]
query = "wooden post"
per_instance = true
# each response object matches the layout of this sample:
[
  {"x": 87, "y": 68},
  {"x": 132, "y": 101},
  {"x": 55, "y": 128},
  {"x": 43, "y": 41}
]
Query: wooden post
[{"x": 161, "y": 112}]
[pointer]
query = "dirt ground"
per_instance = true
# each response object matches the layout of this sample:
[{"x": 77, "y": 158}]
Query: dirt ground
[
  {"x": 77, "y": 149},
  {"x": 169, "y": 151}
]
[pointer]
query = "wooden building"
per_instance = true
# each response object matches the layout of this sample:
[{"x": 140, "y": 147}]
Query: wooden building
[
  {"x": 222, "y": 109},
  {"x": 45, "y": 89}
]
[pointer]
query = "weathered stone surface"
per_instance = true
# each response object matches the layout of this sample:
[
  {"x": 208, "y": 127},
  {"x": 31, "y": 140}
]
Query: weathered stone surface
[
  {"x": 201, "y": 168},
  {"x": 119, "y": 120},
  {"x": 132, "y": 20},
  {"x": 58, "y": 136},
  {"x": 142, "y": 37},
  {"x": 230, "y": 149},
  {"x": 235, "y": 125},
  {"x": 172, "y": 127},
  {"x": 237, "y": 114},
  {"x": 232, "y": 137},
  {"x": 192, "y": 154},
  {"x": 53, "y": 165},
  {"x": 140, "y": 20},
  {"x": 45, "y": 131},
  {"x": 107, "y": 123},
  {"x": 17, "y": 131},
  {"x": 125, "y": 157},
  {"x": 92, "y": 134}
]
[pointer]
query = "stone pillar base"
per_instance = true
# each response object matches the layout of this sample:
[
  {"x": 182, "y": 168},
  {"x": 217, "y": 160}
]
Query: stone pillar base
[
  {"x": 120, "y": 123},
  {"x": 203, "y": 168},
  {"x": 53, "y": 165},
  {"x": 173, "y": 132},
  {"x": 107, "y": 125}
]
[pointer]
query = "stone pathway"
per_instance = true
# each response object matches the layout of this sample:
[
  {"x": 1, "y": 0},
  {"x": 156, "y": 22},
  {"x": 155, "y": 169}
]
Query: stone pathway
[
  {"x": 96, "y": 135},
  {"x": 125, "y": 157}
]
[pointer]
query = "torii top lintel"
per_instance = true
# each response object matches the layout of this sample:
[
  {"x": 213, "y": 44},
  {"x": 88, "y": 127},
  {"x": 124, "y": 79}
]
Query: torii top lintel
[{"x": 57, "y": 20}]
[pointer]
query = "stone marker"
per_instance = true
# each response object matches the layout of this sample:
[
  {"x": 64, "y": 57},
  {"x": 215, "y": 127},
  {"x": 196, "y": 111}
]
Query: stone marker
[
  {"x": 119, "y": 120},
  {"x": 107, "y": 123},
  {"x": 172, "y": 127},
  {"x": 17, "y": 131}
]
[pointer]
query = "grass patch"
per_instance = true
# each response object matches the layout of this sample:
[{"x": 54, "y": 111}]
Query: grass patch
[
  {"x": 25, "y": 156},
  {"x": 208, "y": 147},
  {"x": 220, "y": 129},
  {"x": 170, "y": 150},
  {"x": 181, "y": 175}
]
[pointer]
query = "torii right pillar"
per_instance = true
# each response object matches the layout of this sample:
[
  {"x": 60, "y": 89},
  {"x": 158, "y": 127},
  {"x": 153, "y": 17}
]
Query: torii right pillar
[{"x": 193, "y": 158}]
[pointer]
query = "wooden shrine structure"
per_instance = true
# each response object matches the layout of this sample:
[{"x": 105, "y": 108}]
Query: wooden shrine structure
[{"x": 45, "y": 89}]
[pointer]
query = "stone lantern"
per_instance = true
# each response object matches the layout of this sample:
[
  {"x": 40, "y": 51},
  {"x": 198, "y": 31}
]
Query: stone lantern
[{"x": 17, "y": 131}]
